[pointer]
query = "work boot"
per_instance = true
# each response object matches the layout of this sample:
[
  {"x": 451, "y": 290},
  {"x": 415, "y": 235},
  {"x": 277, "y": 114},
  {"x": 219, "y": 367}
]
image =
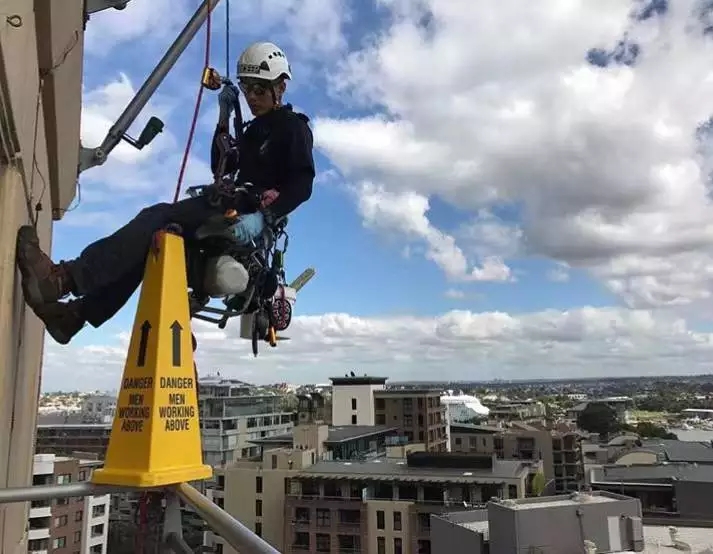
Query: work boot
[
  {"x": 62, "y": 320},
  {"x": 43, "y": 281}
]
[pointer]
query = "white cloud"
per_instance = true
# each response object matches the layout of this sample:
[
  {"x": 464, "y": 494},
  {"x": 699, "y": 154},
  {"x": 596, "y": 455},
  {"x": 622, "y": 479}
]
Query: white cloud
[
  {"x": 454, "y": 345},
  {"x": 494, "y": 105},
  {"x": 455, "y": 294},
  {"x": 559, "y": 274},
  {"x": 128, "y": 171},
  {"x": 151, "y": 21},
  {"x": 405, "y": 212}
]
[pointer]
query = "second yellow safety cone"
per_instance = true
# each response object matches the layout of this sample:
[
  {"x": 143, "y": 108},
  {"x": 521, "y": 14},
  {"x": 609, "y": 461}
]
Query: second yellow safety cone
[{"x": 155, "y": 439}]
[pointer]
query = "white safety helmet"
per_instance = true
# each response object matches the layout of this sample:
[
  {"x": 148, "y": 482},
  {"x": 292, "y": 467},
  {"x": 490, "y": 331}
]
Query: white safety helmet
[{"x": 264, "y": 60}]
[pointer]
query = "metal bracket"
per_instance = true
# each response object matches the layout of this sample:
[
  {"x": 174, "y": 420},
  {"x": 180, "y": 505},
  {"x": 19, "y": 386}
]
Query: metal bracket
[
  {"x": 91, "y": 157},
  {"x": 172, "y": 526},
  {"x": 94, "y": 6}
]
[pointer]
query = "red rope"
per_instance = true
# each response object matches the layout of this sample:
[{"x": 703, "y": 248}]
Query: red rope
[
  {"x": 143, "y": 524},
  {"x": 196, "y": 111}
]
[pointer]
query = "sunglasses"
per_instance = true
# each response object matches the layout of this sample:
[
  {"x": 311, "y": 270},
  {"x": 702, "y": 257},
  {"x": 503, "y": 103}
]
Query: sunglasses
[{"x": 258, "y": 88}]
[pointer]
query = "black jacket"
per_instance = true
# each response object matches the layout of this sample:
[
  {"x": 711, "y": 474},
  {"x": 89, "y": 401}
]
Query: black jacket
[{"x": 276, "y": 153}]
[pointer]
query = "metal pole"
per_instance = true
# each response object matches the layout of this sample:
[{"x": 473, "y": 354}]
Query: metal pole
[
  {"x": 48, "y": 492},
  {"x": 90, "y": 157},
  {"x": 230, "y": 529}
]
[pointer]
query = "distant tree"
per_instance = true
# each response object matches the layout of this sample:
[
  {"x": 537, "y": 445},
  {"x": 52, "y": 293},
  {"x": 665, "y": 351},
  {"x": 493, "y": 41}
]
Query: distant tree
[
  {"x": 538, "y": 484},
  {"x": 598, "y": 418},
  {"x": 646, "y": 429}
]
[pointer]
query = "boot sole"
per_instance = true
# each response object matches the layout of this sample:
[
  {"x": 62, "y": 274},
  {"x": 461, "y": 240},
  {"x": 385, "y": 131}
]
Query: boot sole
[{"x": 30, "y": 283}]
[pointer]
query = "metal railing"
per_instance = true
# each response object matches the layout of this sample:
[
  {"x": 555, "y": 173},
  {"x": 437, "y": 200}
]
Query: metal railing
[{"x": 237, "y": 535}]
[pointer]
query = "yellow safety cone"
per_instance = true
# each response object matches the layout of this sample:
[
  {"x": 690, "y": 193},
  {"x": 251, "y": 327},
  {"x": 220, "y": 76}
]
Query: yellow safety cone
[{"x": 155, "y": 439}]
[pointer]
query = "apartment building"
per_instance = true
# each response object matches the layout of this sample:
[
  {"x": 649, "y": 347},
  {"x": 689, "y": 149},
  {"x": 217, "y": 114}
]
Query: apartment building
[
  {"x": 361, "y": 507},
  {"x": 67, "y": 439},
  {"x": 417, "y": 413},
  {"x": 520, "y": 410},
  {"x": 559, "y": 450},
  {"x": 234, "y": 413},
  {"x": 98, "y": 408},
  {"x": 301, "y": 502},
  {"x": 313, "y": 406},
  {"x": 67, "y": 525},
  {"x": 283, "y": 456}
]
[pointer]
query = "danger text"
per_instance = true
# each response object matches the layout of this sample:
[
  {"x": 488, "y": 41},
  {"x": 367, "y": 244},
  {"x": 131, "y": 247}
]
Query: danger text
[
  {"x": 133, "y": 416},
  {"x": 176, "y": 416}
]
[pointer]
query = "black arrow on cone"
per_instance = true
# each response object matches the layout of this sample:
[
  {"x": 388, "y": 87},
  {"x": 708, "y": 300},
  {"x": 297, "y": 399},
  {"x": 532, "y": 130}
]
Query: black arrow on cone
[
  {"x": 143, "y": 343},
  {"x": 176, "y": 335}
]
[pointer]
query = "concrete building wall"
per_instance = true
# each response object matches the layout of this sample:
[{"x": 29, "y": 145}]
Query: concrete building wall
[
  {"x": 353, "y": 404},
  {"x": 693, "y": 500},
  {"x": 447, "y": 535},
  {"x": 396, "y": 526},
  {"x": 38, "y": 161}
]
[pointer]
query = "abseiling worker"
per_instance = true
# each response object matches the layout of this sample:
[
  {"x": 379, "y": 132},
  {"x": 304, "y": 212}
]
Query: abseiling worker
[{"x": 275, "y": 156}]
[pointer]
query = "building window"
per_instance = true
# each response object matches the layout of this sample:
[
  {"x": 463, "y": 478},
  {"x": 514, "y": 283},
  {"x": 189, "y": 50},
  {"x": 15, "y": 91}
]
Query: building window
[
  {"x": 64, "y": 478},
  {"x": 398, "y": 546},
  {"x": 354, "y": 404},
  {"x": 258, "y": 508},
  {"x": 424, "y": 547},
  {"x": 379, "y": 404},
  {"x": 97, "y": 530},
  {"x": 258, "y": 529},
  {"x": 354, "y": 419},
  {"x": 380, "y": 419},
  {"x": 82, "y": 475},
  {"x": 380, "y": 545},
  {"x": 38, "y": 544},
  {"x": 79, "y": 515},
  {"x": 512, "y": 491},
  {"x": 61, "y": 501},
  {"x": 60, "y": 521},
  {"x": 323, "y": 517},
  {"x": 380, "y": 519},
  {"x": 397, "y": 521},
  {"x": 77, "y": 536},
  {"x": 274, "y": 461},
  {"x": 258, "y": 485},
  {"x": 99, "y": 510},
  {"x": 301, "y": 541},
  {"x": 302, "y": 515},
  {"x": 59, "y": 542},
  {"x": 323, "y": 543}
]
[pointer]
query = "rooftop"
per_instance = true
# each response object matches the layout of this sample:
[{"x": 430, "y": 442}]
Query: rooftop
[
  {"x": 408, "y": 392},
  {"x": 654, "y": 474},
  {"x": 389, "y": 469},
  {"x": 680, "y": 451},
  {"x": 358, "y": 380},
  {"x": 658, "y": 540},
  {"x": 335, "y": 434},
  {"x": 351, "y": 432}
]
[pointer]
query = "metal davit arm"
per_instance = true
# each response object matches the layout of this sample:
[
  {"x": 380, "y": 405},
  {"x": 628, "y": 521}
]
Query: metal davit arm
[
  {"x": 230, "y": 529},
  {"x": 91, "y": 157}
]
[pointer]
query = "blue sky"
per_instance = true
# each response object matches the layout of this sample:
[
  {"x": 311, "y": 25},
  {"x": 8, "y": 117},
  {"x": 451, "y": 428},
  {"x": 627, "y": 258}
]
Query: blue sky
[{"x": 491, "y": 201}]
